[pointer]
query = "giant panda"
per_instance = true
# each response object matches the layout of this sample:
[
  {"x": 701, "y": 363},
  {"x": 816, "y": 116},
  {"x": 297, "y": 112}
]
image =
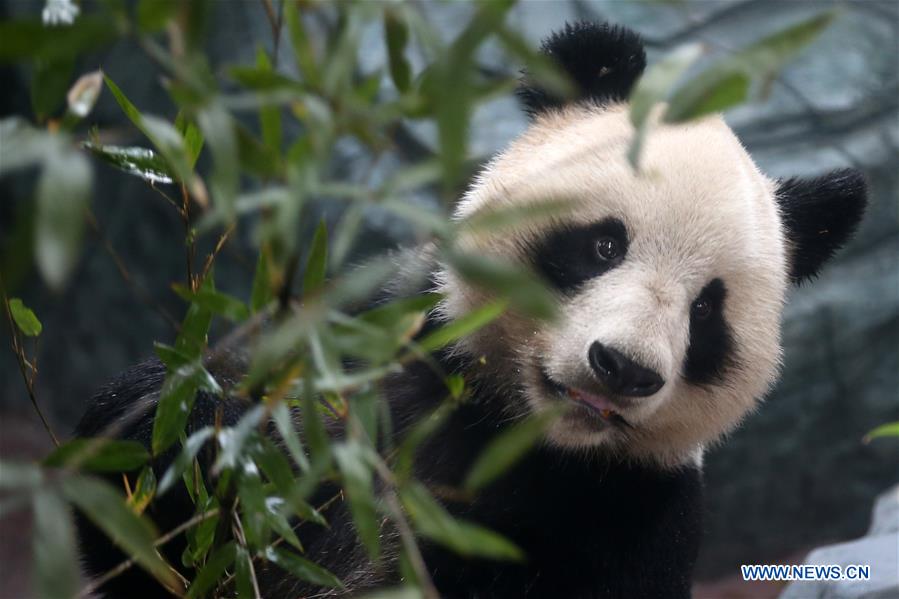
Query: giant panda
[{"x": 671, "y": 284}]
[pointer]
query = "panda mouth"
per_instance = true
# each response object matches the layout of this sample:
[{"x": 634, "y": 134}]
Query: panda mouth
[{"x": 598, "y": 404}]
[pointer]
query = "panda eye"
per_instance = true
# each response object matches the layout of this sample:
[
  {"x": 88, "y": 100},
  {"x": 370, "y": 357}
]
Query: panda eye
[
  {"x": 608, "y": 248},
  {"x": 701, "y": 309}
]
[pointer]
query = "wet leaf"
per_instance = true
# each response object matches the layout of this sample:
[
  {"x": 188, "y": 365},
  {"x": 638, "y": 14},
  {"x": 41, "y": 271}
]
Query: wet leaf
[
  {"x": 507, "y": 448},
  {"x": 176, "y": 400},
  {"x": 55, "y": 557},
  {"x": 140, "y": 162},
  {"x": 302, "y": 568},
  {"x": 99, "y": 455},
  {"x": 25, "y": 318},
  {"x": 185, "y": 458},
  {"x": 63, "y": 192},
  {"x": 108, "y": 511}
]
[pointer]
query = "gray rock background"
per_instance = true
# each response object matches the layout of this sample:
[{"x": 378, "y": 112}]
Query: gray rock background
[{"x": 795, "y": 476}]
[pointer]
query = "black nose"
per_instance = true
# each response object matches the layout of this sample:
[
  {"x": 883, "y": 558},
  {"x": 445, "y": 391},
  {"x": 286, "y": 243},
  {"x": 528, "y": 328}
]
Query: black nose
[{"x": 621, "y": 375}]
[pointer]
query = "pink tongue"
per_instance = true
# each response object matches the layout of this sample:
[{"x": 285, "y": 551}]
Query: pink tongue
[{"x": 599, "y": 402}]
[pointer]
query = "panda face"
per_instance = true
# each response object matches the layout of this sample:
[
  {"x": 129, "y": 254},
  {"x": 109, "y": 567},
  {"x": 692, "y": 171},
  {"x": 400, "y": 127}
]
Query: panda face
[{"x": 670, "y": 283}]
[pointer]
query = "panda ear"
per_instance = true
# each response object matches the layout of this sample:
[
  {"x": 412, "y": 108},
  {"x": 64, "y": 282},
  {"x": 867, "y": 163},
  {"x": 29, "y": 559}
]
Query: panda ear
[
  {"x": 819, "y": 214},
  {"x": 603, "y": 61}
]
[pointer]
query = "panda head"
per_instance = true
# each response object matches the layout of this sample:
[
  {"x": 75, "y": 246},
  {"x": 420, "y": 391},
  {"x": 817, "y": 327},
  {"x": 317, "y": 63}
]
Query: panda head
[{"x": 671, "y": 281}]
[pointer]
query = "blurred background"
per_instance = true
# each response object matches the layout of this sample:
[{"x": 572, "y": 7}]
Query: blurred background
[{"x": 795, "y": 476}]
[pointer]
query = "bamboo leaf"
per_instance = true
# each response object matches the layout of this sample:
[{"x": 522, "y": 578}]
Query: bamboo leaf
[
  {"x": 357, "y": 482},
  {"x": 99, "y": 455},
  {"x": 507, "y": 448},
  {"x": 432, "y": 521},
  {"x": 317, "y": 263},
  {"x": 464, "y": 326},
  {"x": 302, "y": 568},
  {"x": 25, "y": 318},
  {"x": 220, "y": 560},
  {"x": 108, "y": 511},
  {"x": 63, "y": 192},
  {"x": 56, "y": 573}
]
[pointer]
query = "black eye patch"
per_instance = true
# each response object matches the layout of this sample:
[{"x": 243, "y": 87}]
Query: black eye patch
[
  {"x": 711, "y": 342},
  {"x": 573, "y": 254}
]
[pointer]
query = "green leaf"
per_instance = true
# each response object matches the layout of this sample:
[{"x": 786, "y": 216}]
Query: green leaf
[
  {"x": 269, "y": 116},
  {"x": 153, "y": 15},
  {"x": 55, "y": 557},
  {"x": 29, "y": 39},
  {"x": 464, "y": 326},
  {"x": 432, "y": 521},
  {"x": 285, "y": 425},
  {"x": 302, "y": 568},
  {"x": 108, "y": 511},
  {"x": 243, "y": 573},
  {"x": 726, "y": 83},
  {"x": 317, "y": 262},
  {"x": 232, "y": 440},
  {"x": 220, "y": 560},
  {"x": 166, "y": 138},
  {"x": 507, "y": 448},
  {"x": 193, "y": 137},
  {"x": 63, "y": 192},
  {"x": 140, "y": 162},
  {"x": 185, "y": 458},
  {"x": 890, "y": 429},
  {"x": 49, "y": 84},
  {"x": 421, "y": 431},
  {"x": 396, "y": 32},
  {"x": 524, "y": 290},
  {"x": 99, "y": 455},
  {"x": 262, "y": 293},
  {"x": 214, "y": 301},
  {"x": 357, "y": 483},
  {"x": 218, "y": 128},
  {"x": 15, "y": 476},
  {"x": 654, "y": 87},
  {"x": 176, "y": 400},
  {"x": 25, "y": 318},
  {"x": 144, "y": 490},
  {"x": 304, "y": 52}
]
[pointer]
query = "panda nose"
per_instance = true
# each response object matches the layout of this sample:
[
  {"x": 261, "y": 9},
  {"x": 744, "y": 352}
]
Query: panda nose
[{"x": 621, "y": 375}]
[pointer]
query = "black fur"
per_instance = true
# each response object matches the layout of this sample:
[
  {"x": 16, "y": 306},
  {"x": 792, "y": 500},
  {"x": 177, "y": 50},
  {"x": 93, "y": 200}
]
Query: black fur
[
  {"x": 711, "y": 342},
  {"x": 603, "y": 61},
  {"x": 820, "y": 214},
  {"x": 567, "y": 257}
]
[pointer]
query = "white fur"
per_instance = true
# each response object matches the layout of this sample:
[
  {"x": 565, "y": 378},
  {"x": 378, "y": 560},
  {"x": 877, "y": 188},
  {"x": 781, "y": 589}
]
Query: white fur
[{"x": 699, "y": 209}]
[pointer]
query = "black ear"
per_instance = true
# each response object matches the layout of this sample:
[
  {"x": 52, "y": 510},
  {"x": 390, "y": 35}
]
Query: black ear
[
  {"x": 603, "y": 60},
  {"x": 820, "y": 215}
]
